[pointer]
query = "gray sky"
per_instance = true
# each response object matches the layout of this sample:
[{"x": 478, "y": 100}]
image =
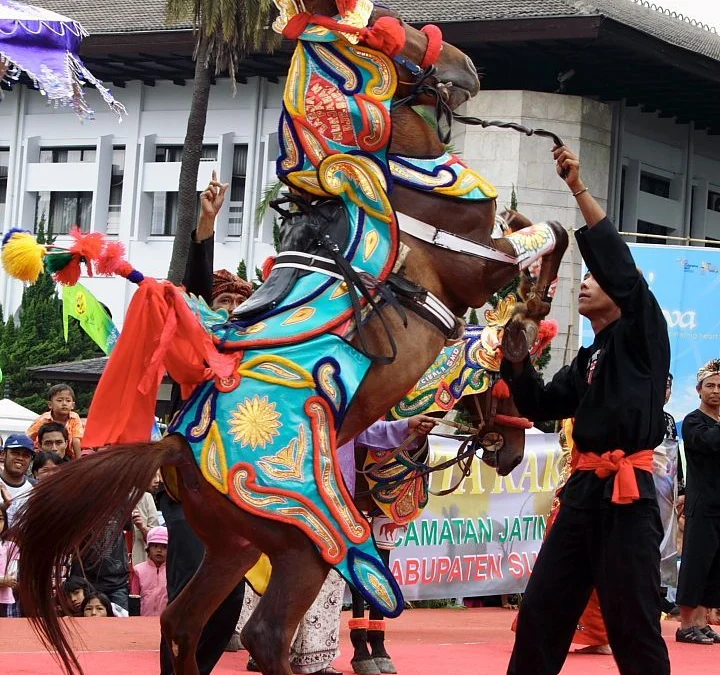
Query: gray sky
[{"x": 707, "y": 11}]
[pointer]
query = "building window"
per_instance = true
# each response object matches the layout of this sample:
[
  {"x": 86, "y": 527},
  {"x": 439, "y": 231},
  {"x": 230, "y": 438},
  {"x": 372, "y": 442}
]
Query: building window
[
  {"x": 164, "y": 214},
  {"x": 4, "y": 166},
  {"x": 651, "y": 228},
  {"x": 116, "y": 190},
  {"x": 655, "y": 185},
  {"x": 165, "y": 204},
  {"x": 60, "y": 211},
  {"x": 67, "y": 155},
  {"x": 173, "y": 153},
  {"x": 713, "y": 202},
  {"x": 237, "y": 190}
]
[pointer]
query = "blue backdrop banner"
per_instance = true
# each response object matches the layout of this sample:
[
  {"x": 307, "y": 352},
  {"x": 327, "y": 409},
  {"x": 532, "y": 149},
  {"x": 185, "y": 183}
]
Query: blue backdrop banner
[{"x": 686, "y": 282}]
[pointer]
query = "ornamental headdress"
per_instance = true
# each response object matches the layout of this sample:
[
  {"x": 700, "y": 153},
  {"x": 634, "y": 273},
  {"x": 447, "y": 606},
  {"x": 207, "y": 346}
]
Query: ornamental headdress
[{"x": 708, "y": 370}]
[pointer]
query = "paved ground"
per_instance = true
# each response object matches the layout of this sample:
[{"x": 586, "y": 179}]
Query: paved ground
[{"x": 422, "y": 642}]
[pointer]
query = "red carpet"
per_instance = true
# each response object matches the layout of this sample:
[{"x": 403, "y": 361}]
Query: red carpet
[{"x": 422, "y": 642}]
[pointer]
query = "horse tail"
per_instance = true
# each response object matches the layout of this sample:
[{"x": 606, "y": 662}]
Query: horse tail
[{"x": 69, "y": 512}]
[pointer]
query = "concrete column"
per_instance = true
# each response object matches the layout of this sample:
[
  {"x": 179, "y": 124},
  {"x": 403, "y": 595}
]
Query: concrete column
[
  {"x": 145, "y": 201},
  {"x": 226, "y": 149},
  {"x": 688, "y": 180},
  {"x": 632, "y": 194},
  {"x": 698, "y": 217},
  {"x": 101, "y": 192},
  {"x": 131, "y": 175}
]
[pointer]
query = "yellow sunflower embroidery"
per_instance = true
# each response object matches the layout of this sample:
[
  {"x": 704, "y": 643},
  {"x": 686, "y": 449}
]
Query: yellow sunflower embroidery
[{"x": 255, "y": 422}]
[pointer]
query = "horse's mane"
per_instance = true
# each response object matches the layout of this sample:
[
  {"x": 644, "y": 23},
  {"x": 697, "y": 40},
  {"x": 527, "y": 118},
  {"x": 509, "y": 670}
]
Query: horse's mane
[{"x": 301, "y": 227}]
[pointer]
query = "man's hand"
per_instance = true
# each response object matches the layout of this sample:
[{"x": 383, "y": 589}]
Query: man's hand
[
  {"x": 211, "y": 201},
  {"x": 568, "y": 167},
  {"x": 5, "y": 494},
  {"x": 680, "y": 505},
  {"x": 422, "y": 424},
  {"x": 8, "y": 582}
]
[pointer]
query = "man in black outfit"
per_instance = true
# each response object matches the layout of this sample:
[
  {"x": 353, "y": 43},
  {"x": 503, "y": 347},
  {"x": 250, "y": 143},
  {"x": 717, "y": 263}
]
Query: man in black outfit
[
  {"x": 608, "y": 531},
  {"x": 699, "y": 583},
  {"x": 185, "y": 550}
]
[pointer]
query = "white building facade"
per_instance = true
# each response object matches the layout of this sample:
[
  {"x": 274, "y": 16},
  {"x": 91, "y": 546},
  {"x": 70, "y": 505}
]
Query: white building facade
[{"x": 122, "y": 178}]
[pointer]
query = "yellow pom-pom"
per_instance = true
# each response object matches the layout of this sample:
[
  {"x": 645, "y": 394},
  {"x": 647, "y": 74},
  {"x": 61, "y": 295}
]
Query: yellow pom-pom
[{"x": 22, "y": 256}]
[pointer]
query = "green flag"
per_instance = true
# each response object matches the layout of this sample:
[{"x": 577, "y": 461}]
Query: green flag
[{"x": 80, "y": 303}]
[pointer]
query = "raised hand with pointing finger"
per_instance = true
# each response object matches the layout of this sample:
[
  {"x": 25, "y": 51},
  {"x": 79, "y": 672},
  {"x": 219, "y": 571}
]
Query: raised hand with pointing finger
[{"x": 211, "y": 201}]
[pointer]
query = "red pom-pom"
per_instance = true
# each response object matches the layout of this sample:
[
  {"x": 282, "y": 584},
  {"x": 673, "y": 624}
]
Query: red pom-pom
[
  {"x": 548, "y": 330},
  {"x": 88, "y": 245},
  {"x": 387, "y": 35},
  {"x": 267, "y": 267},
  {"x": 70, "y": 274},
  {"x": 112, "y": 255},
  {"x": 501, "y": 389}
]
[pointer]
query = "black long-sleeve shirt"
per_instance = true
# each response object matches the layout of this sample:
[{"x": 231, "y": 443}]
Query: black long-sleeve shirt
[
  {"x": 615, "y": 389},
  {"x": 199, "y": 268},
  {"x": 701, "y": 435}
]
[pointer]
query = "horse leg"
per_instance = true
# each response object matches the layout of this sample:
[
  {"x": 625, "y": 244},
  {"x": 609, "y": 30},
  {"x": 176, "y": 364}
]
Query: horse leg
[
  {"x": 362, "y": 661},
  {"x": 220, "y": 525},
  {"x": 184, "y": 619},
  {"x": 376, "y": 631},
  {"x": 298, "y": 573}
]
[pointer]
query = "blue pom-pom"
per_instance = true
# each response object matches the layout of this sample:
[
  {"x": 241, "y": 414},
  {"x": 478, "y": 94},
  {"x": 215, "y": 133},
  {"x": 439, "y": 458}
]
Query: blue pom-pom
[{"x": 11, "y": 232}]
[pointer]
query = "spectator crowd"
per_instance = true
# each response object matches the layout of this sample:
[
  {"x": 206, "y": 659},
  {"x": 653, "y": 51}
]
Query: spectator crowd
[{"x": 123, "y": 571}]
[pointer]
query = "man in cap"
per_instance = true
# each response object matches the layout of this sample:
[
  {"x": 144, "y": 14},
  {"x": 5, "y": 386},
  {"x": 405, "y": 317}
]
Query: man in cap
[
  {"x": 699, "y": 582},
  {"x": 19, "y": 452},
  {"x": 221, "y": 290}
]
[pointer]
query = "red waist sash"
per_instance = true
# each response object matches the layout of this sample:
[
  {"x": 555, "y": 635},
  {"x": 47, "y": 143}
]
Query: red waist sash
[{"x": 625, "y": 490}]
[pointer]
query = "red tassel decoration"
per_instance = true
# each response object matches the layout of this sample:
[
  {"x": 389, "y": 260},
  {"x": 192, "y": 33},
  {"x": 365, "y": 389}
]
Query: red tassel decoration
[
  {"x": 87, "y": 245},
  {"x": 110, "y": 258},
  {"x": 70, "y": 274},
  {"x": 501, "y": 389},
  {"x": 267, "y": 267},
  {"x": 387, "y": 36},
  {"x": 346, "y": 6}
]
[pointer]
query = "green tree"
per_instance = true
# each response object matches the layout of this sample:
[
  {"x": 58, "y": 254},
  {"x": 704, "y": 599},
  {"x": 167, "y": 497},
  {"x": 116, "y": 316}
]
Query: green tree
[
  {"x": 226, "y": 31},
  {"x": 242, "y": 270},
  {"x": 36, "y": 340}
]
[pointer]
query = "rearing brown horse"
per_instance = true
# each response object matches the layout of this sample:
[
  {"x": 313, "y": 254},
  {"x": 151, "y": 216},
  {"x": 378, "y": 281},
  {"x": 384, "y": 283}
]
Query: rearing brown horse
[{"x": 85, "y": 494}]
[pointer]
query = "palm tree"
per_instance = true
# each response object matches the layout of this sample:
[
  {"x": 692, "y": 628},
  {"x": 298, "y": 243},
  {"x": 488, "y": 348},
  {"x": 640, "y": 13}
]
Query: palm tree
[{"x": 226, "y": 30}]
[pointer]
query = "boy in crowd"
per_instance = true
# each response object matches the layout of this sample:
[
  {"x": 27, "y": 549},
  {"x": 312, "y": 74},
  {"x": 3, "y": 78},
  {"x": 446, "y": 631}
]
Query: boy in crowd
[
  {"x": 61, "y": 401},
  {"x": 19, "y": 452},
  {"x": 149, "y": 580}
]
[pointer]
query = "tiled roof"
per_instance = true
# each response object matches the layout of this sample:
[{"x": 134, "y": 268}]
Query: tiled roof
[
  {"x": 104, "y": 16},
  {"x": 74, "y": 371}
]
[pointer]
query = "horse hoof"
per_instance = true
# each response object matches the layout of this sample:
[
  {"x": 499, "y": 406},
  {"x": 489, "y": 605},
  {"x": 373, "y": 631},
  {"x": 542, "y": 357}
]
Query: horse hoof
[
  {"x": 365, "y": 667},
  {"x": 385, "y": 664}
]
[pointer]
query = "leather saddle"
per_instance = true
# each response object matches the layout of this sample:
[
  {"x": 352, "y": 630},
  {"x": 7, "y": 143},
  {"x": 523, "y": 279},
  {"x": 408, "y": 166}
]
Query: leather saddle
[{"x": 300, "y": 230}]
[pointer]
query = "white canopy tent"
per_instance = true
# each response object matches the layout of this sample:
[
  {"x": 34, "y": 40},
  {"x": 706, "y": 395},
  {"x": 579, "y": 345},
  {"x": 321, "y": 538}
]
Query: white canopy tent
[{"x": 14, "y": 418}]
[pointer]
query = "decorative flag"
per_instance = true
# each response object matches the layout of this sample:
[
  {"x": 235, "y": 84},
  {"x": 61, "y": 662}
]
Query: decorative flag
[{"x": 80, "y": 303}]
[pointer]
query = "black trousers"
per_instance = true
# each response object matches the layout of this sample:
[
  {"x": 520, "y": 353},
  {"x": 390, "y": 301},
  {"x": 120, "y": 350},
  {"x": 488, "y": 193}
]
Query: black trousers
[
  {"x": 699, "y": 582},
  {"x": 615, "y": 550},
  {"x": 185, "y": 553}
]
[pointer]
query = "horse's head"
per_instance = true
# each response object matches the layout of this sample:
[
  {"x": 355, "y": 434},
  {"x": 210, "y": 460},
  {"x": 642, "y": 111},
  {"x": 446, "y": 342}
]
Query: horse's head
[
  {"x": 423, "y": 59},
  {"x": 502, "y": 430}
]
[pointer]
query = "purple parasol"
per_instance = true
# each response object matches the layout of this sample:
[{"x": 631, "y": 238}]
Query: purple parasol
[{"x": 45, "y": 46}]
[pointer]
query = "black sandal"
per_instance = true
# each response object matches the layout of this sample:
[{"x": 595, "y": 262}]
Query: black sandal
[
  {"x": 693, "y": 636},
  {"x": 709, "y": 632}
]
